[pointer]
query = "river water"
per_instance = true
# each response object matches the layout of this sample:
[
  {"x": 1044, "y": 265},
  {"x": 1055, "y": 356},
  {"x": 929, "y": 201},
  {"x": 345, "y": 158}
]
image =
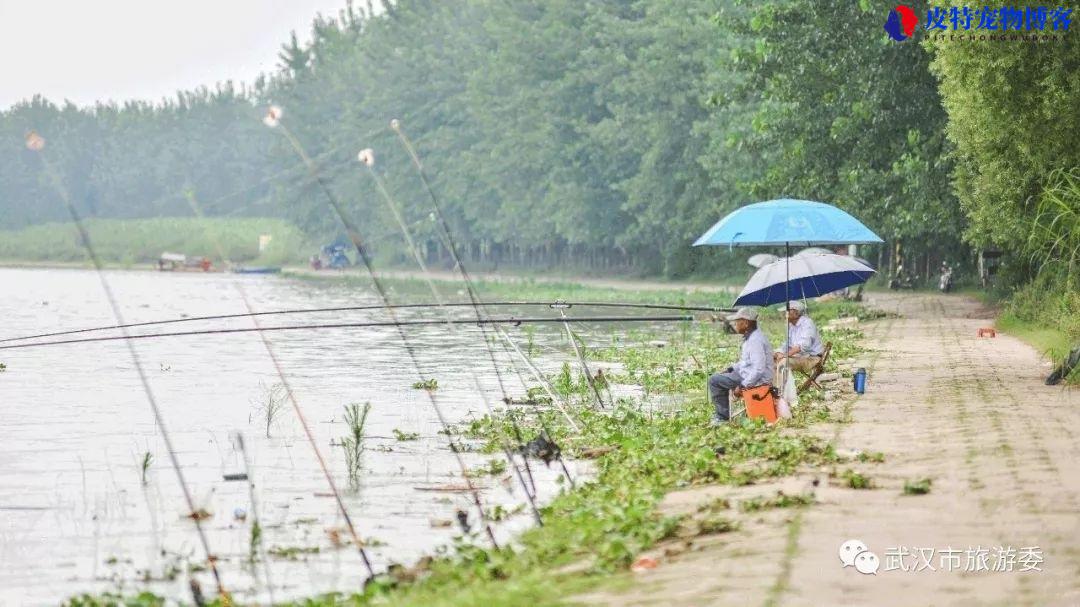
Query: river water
[{"x": 77, "y": 515}]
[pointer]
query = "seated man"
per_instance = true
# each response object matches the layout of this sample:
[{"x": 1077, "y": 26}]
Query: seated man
[
  {"x": 755, "y": 366},
  {"x": 803, "y": 341}
]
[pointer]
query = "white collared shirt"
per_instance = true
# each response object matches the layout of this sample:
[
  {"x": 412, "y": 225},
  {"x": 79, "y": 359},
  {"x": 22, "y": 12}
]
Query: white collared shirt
[
  {"x": 755, "y": 366},
  {"x": 804, "y": 334}
]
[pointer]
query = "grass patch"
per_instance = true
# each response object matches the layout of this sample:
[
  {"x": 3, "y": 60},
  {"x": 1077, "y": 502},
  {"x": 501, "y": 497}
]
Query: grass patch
[
  {"x": 131, "y": 241},
  {"x": 1046, "y": 314},
  {"x": 917, "y": 487},
  {"x": 780, "y": 500},
  {"x": 855, "y": 480}
]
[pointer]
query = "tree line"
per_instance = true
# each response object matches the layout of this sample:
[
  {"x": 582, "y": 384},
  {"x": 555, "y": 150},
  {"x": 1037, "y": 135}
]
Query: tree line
[{"x": 605, "y": 134}]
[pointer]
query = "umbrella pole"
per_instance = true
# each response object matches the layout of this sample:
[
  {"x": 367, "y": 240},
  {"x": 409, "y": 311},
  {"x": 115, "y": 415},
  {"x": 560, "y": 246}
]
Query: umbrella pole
[
  {"x": 787, "y": 297},
  {"x": 787, "y": 310}
]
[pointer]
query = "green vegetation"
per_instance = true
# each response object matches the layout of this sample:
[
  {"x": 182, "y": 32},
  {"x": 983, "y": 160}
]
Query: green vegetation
[
  {"x": 405, "y": 436},
  {"x": 142, "y": 241},
  {"x": 426, "y": 384},
  {"x": 856, "y": 480},
  {"x": 353, "y": 444},
  {"x": 917, "y": 486},
  {"x": 292, "y": 553},
  {"x": 255, "y": 539},
  {"x": 781, "y": 500},
  {"x": 147, "y": 460},
  {"x": 494, "y": 467},
  {"x": 845, "y": 115},
  {"x": 270, "y": 403},
  {"x": 875, "y": 457},
  {"x": 1016, "y": 133}
]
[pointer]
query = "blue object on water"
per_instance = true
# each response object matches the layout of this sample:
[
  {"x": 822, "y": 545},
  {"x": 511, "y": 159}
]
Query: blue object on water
[{"x": 859, "y": 381}]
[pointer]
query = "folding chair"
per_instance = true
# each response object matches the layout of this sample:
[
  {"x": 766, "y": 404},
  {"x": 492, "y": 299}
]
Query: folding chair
[{"x": 818, "y": 368}]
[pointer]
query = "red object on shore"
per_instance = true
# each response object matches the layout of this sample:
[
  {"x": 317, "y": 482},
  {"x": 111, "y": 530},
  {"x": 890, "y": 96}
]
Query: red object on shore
[
  {"x": 760, "y": 402},
  {"x": 987, "y": 331},
  {"x": 644, "y": 563}
]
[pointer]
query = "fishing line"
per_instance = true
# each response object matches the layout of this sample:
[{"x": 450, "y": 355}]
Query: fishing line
[
  {"x": 581, "y": 358},
  {"x": 36, "y": 143},
  {"x": 451, "y": 246},
  {"x": 353, "y": 325},
  {"x": 555, "y": 400},
  {"x": 273, "y": 119},
  {"x": 367, "y": 158},
  {"x": 292, "y": 399},
  {"x": 546, "y": 304}
]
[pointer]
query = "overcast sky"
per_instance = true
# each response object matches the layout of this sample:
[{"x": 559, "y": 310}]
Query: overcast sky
[{"x": 90, "y": 50}]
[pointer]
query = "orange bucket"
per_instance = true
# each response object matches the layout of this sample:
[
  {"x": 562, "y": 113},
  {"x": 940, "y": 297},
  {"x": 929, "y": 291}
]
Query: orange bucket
[{"x": 760, "y": 402}]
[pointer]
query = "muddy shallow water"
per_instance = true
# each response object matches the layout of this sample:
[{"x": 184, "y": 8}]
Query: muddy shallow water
[{"x": 75, "y": 425}]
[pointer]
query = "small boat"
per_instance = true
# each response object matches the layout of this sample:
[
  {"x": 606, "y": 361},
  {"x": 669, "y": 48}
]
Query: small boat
[
  {"x": 256, "y": 269},
  {"x": 178, "y": 262}
]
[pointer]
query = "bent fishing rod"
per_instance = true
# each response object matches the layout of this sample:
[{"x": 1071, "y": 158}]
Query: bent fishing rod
[
  {"x": 353, "y": 325},
  {"x": 36, "y": 143},
  {"x": 367, "y": 158},
  {"x": 549, "y": 304}
]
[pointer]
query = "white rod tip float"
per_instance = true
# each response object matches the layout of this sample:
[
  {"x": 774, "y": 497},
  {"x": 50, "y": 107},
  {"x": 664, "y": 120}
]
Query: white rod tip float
[
  {"x": 395, "y": 124},
  {"x": 34, "y": 142},
  {"x": 273, "y": 116},
  {"x": 366, "y": 156}
]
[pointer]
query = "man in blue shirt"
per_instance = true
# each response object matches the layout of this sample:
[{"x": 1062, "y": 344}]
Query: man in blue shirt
[
  {"x": 755, "y": 366},
  {"x": 804, "y": 347}
]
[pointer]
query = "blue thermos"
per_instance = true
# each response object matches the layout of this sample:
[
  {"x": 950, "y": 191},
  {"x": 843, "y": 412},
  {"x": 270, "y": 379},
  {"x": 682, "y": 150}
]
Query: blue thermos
[{"x": 859, "y": 380}]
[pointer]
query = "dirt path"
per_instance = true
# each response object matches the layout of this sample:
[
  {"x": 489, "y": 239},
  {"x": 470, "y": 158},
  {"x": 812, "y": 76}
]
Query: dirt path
[{"x": 972, "y": 415}]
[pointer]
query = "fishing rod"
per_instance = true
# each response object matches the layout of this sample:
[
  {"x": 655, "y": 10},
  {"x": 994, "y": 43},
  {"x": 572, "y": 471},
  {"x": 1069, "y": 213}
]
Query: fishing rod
[
  {"x": 273, "y": 119},
  {"x": 581, "y": 357},
  {"x": 448, "y": 238},
  {"x": 367, "y": 158},
  {"x": 197, "y": 210},
  {"x": 547, "y": 444},
  {"x": 36, "y": 144},
  {"x": 547, "y": 304},
  {"x": 353, "y": 325}
]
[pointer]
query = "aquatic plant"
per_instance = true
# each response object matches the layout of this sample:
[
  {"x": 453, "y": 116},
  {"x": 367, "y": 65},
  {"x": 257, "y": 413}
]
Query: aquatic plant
[
  {"x": 494, "y": 467},
  {"x": 353, "y": 444},
  {"x": 254, "y": 542},
  {"x": 427, "y": 384},
  {"x": 270, "y": 403},
  {"x": 147, "y": 459}
]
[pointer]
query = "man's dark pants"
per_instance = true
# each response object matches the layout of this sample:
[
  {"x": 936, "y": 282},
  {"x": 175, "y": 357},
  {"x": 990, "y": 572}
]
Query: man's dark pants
[{"x": 719, "y": 385}]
